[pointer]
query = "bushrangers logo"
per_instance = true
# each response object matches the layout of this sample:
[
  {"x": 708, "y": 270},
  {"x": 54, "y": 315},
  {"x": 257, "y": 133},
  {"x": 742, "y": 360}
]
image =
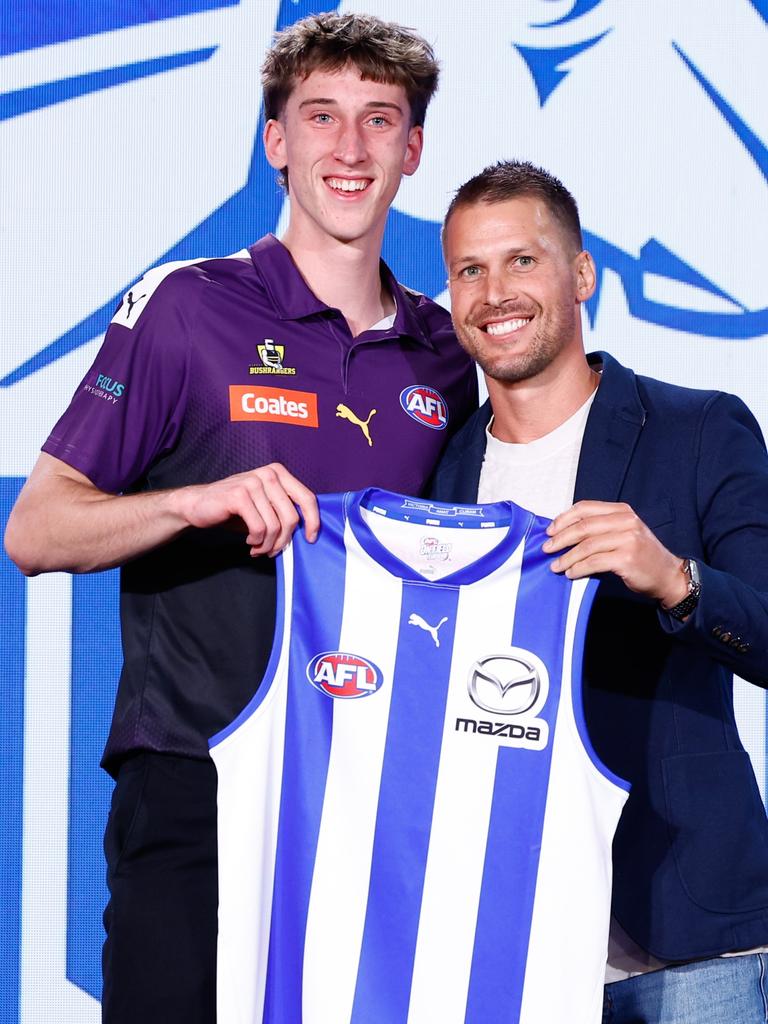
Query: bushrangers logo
[
  {"x": 343, "y": 675},
  {"x": 425, "y": 405}
]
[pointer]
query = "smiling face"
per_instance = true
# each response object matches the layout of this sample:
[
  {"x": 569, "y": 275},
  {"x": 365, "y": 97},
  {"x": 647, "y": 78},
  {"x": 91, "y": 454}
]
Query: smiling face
[
  {"x": 516, "y": 282},
  {"x": 346, "y": 143}
]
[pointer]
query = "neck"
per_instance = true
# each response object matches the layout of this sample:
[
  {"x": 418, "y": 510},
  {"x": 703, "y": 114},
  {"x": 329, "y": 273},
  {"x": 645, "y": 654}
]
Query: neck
[
  {"x": 343, "y": 275},
  {"x": 526, "y": 410}
]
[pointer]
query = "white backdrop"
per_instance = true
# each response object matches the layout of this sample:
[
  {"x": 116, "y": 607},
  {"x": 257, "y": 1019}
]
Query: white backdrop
[{"x": 129, "y": 135}]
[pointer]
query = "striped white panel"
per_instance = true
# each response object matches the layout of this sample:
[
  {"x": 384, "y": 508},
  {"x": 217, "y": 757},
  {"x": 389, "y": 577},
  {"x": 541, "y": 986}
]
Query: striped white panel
[
  {"x": 462, "y": 811},
  {"x": 573, "y": 888},
  {"x": 43, "y": 947},
  {"x": 248, "y": 818},
  {"x": 749, "y": 706},
  {"x": 336, "y": 916},
  {"x": 129, "y": 313}
]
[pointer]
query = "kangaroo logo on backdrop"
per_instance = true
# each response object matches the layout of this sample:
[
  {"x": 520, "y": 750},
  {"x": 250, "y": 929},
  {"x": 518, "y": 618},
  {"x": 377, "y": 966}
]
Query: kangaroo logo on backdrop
[
  {"x": 343, "y": 675},
  {"x": 271, "y": 356},
  {"x": 660, "y": 287},
  {"x": 425, "y": 405}
]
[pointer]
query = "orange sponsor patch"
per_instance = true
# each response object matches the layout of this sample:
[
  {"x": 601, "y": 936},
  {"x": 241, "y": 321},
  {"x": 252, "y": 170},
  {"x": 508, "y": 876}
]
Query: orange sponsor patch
[{"x": 272, "y": 405}]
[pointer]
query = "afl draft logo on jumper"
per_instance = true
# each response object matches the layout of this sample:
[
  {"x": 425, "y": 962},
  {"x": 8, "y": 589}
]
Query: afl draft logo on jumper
[
  {"x": 508, "y": 684},
  {"x": 425, "y": 405},
  {"x": 343, "y": 675}
]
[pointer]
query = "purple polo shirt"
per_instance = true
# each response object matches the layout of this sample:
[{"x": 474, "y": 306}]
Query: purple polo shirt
[{"x": 214, "y": 367}]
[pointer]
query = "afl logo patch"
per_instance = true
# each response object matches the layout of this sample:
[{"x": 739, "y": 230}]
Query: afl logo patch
[
  {"x": 343, "y": 675},
  {"x": 425, "y": 405}
]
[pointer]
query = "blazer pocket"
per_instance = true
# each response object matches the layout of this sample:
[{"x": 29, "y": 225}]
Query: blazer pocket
[
  {"x": 660, "y": 512},
  {"x": 718, "y": 830}
]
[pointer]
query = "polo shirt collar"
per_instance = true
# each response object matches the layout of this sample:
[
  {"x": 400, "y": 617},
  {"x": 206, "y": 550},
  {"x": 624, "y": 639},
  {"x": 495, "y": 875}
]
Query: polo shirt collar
[{"x": 292, "y": 298}]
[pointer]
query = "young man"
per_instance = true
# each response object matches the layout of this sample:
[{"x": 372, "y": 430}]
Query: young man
[
  {"x": 671, "y": 509},
  {"x": 227, "y": 392}
]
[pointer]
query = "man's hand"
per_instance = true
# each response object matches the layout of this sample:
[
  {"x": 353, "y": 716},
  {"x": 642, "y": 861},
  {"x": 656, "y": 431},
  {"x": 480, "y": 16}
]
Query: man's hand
[
  {"x": 608, "y": 536},
  {"x": 262, "y": 499}
]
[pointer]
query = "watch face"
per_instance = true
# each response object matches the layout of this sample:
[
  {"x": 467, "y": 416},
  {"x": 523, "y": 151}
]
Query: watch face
[{"x": 692, "y": 568}]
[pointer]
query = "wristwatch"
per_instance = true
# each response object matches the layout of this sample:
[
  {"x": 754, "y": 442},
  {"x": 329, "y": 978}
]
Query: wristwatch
[{"x": 683, "y": 608}]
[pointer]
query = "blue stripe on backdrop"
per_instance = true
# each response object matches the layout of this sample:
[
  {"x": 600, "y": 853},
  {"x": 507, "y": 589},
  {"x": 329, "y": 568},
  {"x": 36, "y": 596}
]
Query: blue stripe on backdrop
[
  {"x": 23, "y": 101},
  {"x": 36, "y": 23},
  {"x": 517, "y": 815},
  {"x": 13, "y": 592},
  {"x": 96, "y": 661},
  {"x": 406, "y": 801},
  {"x": 308, "y": 731},
  {"x": 242, "y": 219}
]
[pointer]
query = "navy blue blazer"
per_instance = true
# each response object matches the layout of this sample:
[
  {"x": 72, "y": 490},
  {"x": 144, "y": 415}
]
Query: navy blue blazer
[{"x": 691, "y": 850}]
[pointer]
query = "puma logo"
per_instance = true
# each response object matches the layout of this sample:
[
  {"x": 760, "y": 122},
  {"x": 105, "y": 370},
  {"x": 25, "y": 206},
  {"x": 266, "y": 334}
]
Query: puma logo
[
  {"x": 132, "y": 302},
  {"x": 416, "y": 620},
  {"x": 346, "y": 414}
]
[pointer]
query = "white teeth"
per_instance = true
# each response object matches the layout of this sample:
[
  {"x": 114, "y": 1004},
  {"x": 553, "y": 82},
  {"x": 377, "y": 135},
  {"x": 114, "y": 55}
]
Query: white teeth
[
  {"x": 506, "y": 326},
  {"x": 347, "y": 184}
]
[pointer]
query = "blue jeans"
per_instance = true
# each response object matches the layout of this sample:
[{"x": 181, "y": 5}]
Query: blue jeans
[{"x": 724, "y": 990}]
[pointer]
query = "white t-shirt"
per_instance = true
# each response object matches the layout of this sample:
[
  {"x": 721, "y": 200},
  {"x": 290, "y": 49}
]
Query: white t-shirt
[{"x": 539, "y": 476}]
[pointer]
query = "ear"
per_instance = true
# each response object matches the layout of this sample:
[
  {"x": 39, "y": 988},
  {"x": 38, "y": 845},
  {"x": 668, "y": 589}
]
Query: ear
[
  {"x": 413, "y": 149},
  {"x": 586, "y": 276},
  {"x": 274, "y": 144}
]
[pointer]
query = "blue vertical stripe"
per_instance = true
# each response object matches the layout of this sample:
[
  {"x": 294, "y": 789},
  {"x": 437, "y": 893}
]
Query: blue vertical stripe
[
  {"x": 96, "y": 662},
  {"x": 13, "y": 600},
  {"x": 517, "y": 811},
  {"x": 406, "y": 801},
  {"x": 315, "y": 627}
]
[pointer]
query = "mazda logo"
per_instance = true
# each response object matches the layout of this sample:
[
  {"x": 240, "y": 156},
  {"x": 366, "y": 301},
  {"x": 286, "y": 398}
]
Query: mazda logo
[{"x": 504, "y": 684}]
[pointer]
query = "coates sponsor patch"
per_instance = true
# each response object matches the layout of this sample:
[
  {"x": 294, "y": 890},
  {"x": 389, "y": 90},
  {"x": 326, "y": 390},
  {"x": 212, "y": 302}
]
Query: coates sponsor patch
[
  {"x": 343, "y": 675},
  {"x": 425, "y": 405},
  {"x": 272, "y": 405}
]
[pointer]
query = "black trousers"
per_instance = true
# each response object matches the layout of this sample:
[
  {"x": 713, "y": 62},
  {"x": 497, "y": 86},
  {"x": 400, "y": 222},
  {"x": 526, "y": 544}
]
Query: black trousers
[{"x": 159, "y": 957}]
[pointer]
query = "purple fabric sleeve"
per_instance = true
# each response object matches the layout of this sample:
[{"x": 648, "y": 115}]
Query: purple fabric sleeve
[{"x": 128, "y": 409}]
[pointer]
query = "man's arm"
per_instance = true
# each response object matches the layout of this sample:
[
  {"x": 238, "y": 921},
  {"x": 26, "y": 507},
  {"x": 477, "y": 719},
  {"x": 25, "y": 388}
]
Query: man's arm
[
  {"x": 731, "y": 475},
  {"x": 62, "y": 521}
]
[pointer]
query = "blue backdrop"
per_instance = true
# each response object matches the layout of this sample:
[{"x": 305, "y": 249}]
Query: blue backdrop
[{"x": 131, "y": 136}]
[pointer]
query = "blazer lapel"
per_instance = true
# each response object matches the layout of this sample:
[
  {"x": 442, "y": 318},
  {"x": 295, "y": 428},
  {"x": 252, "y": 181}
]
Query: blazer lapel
[
  {"x": 458, "y": 475},
  {"x": 613, "y": 428}
]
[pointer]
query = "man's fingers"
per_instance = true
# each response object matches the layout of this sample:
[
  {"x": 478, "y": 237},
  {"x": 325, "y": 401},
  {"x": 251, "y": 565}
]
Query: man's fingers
[
  {"x": 607, "y": 543},
  {"x": 592, "y": 565},
  {"x": 593, "y": 526},
  {"x": 303, "y": 497},
  {"x": 584, "y": 510}
]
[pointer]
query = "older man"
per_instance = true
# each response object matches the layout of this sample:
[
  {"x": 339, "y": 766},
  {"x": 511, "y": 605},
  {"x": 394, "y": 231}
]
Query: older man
[{"x": 663, "y": 492}]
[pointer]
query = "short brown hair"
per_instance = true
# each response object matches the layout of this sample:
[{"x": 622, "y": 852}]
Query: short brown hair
[
  {"x": 515, "y": 179},
  {"x": 382, "y": 51}
]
